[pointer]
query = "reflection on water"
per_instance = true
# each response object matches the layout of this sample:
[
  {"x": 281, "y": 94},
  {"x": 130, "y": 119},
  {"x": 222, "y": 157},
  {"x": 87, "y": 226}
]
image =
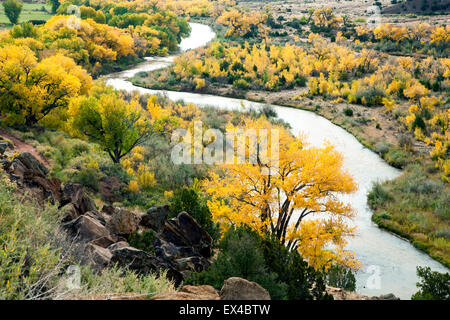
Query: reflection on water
[{"x": 383, "y": 254}]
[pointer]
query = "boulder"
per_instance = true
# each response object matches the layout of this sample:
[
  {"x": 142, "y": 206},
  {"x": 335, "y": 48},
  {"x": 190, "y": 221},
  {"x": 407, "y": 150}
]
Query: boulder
[
  {"x": 109, "y": 210},
  {"x": 184, "y": 231},
  {"x": 168, "y": 250},
  {"x": 97, "y": 215},
  {"x": 96, "y": 256},
  {"x": 74, "y": 193},
  {"x": 204, "y": 292},
  {"x": 155, "y": 217},
  {"x": 85, "y": 229},
  {"x": 31, "y": 164},
  {"x": 124, "y": 222},
  {"x": 104, "y": 242},
  {"x": 143, "y": 262},
  {"x": 240, "y": 289},
  {"x": 70, "y": 213},
  {"x": 110, "y": 189},
  {"x": 194, "y": 263},
  {"x": 119, "y": 245}
]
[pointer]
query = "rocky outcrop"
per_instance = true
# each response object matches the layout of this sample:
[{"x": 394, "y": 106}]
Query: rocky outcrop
[
  {"x": 203, "y": 292},
  {"x": 184, "y": 231},
  {"x": 29, "y": 173},
  {"x": 73, "y": 193},
  {"x": 85, "y": 229},
  {"x": 124, "y": 222},
  {"x": 240, "y": 289},
  {"x": 155, "y": 217},
  {"x": 181, "y": 244},
  {"x": 341, "y": 294},
  {"x": 143, "y": 262}
]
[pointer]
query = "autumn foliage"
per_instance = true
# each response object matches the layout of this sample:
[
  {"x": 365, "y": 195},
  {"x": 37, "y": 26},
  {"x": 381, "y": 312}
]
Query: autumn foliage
[{"x": 296, "y": 201}]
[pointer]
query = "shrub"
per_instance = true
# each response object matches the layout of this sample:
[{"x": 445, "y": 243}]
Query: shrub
[
  {"x": 348, "y": 112},
  {"x": 240, "y": 256},
  {"x": 378, "y": 195},
  {"x": 117, "y": 281},
  {"x": 341, "y": 277},
  {"x": 303, "y": 282},
  {"x": 241, "y": 84},
  {"x": 29, "y": 259},
  {"x": 433, "y": 285},
  {"x": 189, "y": 200},
  {"x": 143, "y": 241}
]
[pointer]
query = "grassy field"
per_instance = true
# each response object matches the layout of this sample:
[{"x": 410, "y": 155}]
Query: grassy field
[{"x": 30, "y": 11}]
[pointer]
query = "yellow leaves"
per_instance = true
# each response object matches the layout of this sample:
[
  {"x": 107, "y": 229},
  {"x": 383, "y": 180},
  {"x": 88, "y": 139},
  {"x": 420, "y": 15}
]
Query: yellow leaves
[
  {"x": 133, "y": 186},
  {"x": 199, "y": 83},
  {"x": 242, "y": 23},
  {"x": 415, "y": 90},
  {"x": 304, "y": 180},
  {"x": 440, "y": 35}
]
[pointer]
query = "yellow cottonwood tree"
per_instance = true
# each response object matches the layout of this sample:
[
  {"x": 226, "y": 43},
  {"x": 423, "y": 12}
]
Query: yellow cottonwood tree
[{"x": 297, "y": 201}]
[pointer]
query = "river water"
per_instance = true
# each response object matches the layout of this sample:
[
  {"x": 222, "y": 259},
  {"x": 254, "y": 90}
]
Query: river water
[{"x": 389, "y": 262}]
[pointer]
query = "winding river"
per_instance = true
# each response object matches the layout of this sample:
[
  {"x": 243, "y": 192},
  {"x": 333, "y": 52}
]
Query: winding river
[{"x": 389, "y": 262}]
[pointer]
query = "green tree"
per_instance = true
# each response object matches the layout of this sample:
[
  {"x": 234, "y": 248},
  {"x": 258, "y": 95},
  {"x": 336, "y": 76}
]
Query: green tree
[
  {"x": 433, "y": 285},
  {"x": 105, "y": 118},
  {"x": 55, "y": 5},
  {"x": 12, "y": 10}
]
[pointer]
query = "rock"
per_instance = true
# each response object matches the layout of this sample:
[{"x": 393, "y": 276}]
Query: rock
[
  {"x": 143, "y": 262},
  {"x": 104, "y": 242},
  {"x": 194, "y": 263},
  {"x": 85, "y": 229},
  {"x": 74, "y": 193},
  {"x": 97, "y": 215},
  {"x": 70, "y": 213},
  {"x": 341, "y": 294},
  {"x": 96, "y": 256},
  {"x": 204, "y": 292},
  {"x": 110, "y": 190},
  {"x": 168, "y": 250},
  {"x": 119, "y": 245},
  {"x": 32, "y": 164},
  {"x": 184, "y": 231},
  {"x": 124, "y": 222},
  {"x": 389, "y": 296},
  {"x": 109, "y": 210},
  {"x": 240, "y": 289},
  {"x": 155, "y": 217}
]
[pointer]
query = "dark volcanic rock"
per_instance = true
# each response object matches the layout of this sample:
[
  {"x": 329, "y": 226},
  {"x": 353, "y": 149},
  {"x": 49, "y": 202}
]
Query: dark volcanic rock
[
  {"x": 155, "y": 217},
  {"x": 143, "y": 262},
  {"x": 86, "y": 228},
  {"x": 74, "y": 193},
  {"x": 184, "y": 231}
]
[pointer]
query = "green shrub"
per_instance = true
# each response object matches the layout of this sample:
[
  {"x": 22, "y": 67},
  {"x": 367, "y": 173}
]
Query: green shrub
[
  {"x": 378, "y": 195},
  {"x": 240, "y": 256},
  {"x": 348, "y": 112},
  {"x": 433, "y": 285},
  {"x": 29, "y": 259},
  {"x": 241, "y": 84},
  {"x": 118, "y": 281},
  {"x": 303, "y": 282},
  {"x": 341, "y": 277},
  {"x": 143, "y": 241}
]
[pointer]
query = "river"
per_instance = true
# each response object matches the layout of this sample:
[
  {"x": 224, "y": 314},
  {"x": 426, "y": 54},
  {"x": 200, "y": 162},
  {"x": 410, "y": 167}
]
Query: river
[{"x": 389, "y": 262}]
